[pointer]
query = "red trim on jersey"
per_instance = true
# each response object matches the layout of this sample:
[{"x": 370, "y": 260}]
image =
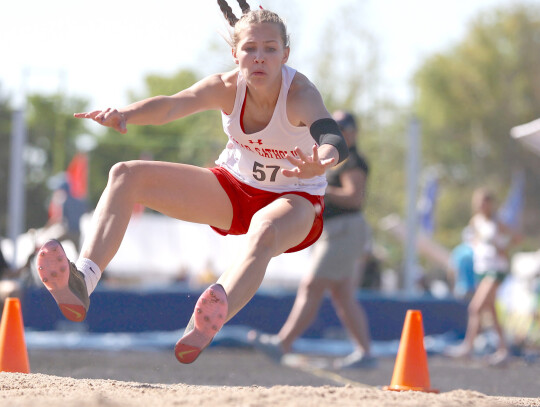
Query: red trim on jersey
[
  {"x": 247, "y": 200},
  {"x": 242, "y": 114}
]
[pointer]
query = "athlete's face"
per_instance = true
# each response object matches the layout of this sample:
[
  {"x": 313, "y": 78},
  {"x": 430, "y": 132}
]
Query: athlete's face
[
  {"x": 487, "y": 206},
  {"x": 260, "y": 53}
]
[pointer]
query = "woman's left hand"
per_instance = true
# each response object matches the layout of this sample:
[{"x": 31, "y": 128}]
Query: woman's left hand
[{"x": 307, "y": 166}]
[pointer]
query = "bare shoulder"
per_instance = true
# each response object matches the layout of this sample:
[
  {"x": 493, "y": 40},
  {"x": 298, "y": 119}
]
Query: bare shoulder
[
  {"x": 304, "y": 102},
  {"x": 230, "y": 78},
  {"x": 302, "y": 87},
  {"x": 216, "y": 91},
  {"x": 219, "y": 81}
]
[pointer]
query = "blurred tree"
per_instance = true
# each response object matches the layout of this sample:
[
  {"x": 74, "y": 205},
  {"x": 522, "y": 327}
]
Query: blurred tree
[
  {"x": 468, "y": 99},
  {"x": 347, "y": 72},
  {"x": 197, "y": 139},
  {"x": 5, "y": 137},
  {"x": 51, "y": 143}
]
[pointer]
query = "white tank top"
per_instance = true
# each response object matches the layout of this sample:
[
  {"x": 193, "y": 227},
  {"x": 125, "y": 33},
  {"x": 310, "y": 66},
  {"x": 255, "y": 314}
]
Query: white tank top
[
  {"x": 486, "y": 240},
  {"x": 257, "y": 159}
]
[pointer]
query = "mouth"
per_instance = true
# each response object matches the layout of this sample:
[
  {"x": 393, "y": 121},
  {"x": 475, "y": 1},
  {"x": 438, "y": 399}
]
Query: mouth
[{"x": 258, "y": 73}]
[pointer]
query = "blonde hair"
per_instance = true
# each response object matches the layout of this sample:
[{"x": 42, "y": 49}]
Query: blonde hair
[{"x": 251, "y": 17}]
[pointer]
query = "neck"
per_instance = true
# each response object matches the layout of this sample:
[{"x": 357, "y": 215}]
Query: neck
[{"x": 264, "y": 96}]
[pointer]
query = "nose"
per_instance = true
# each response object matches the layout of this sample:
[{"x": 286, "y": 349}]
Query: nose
[{"x": 259, "y": 58}]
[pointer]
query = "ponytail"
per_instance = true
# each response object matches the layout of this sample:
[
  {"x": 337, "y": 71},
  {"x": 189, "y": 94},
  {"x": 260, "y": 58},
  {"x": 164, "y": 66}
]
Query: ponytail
[
  {"x": 251, "y": 17},
  {"x": 228, "y": 13},
  {"x": 244, "y": 6}
]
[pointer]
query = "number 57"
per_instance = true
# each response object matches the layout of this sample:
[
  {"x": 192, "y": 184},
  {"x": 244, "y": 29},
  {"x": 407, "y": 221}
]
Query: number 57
[{"x": 259, "y": 171}]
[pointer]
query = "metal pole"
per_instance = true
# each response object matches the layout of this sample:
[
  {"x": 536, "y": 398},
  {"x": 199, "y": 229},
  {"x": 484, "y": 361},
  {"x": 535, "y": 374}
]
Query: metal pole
[
  {"x": 16, "y": 204},
  {"x": 413, "y": 171}
]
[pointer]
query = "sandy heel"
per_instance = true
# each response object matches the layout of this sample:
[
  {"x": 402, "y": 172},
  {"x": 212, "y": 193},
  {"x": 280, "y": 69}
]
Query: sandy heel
[
  {"x": 208, "y": 318},
  {"x": 54, "y": 270}
]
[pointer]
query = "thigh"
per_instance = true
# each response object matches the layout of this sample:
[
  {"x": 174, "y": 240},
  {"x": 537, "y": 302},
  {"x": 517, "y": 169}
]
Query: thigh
[
  {"x": 182, "y": 191},
  {"x": 343, "y": 290},
  {"x": 484, "y": 293},
  {"x": 291, "y": 216}
]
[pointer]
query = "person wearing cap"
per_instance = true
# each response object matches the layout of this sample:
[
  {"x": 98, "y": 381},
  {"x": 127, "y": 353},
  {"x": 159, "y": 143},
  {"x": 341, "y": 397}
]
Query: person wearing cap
[{"x": 335, "y": 258}]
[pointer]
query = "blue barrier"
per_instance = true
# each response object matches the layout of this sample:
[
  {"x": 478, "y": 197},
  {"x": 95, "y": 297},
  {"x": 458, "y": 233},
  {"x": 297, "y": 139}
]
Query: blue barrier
[{"x": 123, "y": 310}]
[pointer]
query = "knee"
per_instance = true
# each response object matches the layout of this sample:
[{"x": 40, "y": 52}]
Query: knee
[
  {"x": 119, "y": 170},
  {"x": 339, "y": 298},
  {"x": 122, "y": 173},
  {"x": 313, "y": 289},
  {"x": 474, "y": 309},
  {"x": 262, "y": 237}
]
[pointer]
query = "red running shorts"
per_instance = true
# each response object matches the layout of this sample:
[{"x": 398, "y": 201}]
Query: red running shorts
[{"x": 247, "y": 200}]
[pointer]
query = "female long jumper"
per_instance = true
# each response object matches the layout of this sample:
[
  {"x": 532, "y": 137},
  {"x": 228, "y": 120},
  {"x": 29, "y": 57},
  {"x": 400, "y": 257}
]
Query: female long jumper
[{"x": 268, "y": 182}]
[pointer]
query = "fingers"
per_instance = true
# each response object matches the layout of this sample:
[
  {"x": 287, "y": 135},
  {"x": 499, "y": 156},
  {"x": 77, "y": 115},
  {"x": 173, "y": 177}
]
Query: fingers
[
  {"x": 102, "y": 117},
  {"x": 291, "y": 173},
  {"x": 307, "y": 166},
  {"x": 293, "y": 160},
  {"x": 87, "y": 115},
  {"x": 328, "y": 162},
  {"x": 315, "y": 153},
  {"x": 303, "y": 157},
  {"x": 108, "y": 117}
]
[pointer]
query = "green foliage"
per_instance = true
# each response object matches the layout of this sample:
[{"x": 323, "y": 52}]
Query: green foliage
[
  {"x": 51, "y": 137},
  {"x": 347, "y": 75},
  {"x": 196, "y": 139},
  {"x": 469, "y": 97},
  {"x": 50, "y": 145},
  {"x": 5, "y": 135},
  {"x": 468, "y": 100}
]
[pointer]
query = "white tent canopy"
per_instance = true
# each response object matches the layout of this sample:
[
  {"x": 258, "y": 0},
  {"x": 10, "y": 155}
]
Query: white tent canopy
[{"x": 528, "y": 134}]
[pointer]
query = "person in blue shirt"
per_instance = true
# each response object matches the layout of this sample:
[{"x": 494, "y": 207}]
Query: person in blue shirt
[{"x": 463, "y": 267}]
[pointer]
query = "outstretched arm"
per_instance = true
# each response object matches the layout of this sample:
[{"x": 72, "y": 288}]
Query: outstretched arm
[{"x": 207, "y": 94}]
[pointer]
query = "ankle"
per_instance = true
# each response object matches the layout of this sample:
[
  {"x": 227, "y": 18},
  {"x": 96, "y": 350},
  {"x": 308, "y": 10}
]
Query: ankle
[
  {"x": 285, "y": 346},
  {"x": 91, "y": 272}
]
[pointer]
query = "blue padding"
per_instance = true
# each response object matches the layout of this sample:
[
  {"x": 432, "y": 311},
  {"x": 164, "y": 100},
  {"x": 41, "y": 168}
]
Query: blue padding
[{"x": 170, "y": 309}]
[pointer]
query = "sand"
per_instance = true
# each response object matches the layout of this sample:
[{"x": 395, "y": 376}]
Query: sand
[{"x": 240, "y": 377}]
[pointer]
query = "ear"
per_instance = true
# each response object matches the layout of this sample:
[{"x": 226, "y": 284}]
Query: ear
[
  {"x": 286, "y": 53},
  {"x": 233, "y": 52}
]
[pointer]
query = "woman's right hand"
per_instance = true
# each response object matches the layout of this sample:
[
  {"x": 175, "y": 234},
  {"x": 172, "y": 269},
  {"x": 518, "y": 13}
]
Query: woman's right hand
[{"x": 109, "y": 117}]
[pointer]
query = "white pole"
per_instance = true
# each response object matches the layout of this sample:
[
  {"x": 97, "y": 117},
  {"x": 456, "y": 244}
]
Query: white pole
[
  {"x": 413, "y": 171},
  {"x": 16, "y": 204}
]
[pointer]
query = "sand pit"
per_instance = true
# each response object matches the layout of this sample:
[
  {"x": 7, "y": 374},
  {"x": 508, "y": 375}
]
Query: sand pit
[
  {"x": 29, "y": 390},
  {"x": 241, "y": 377}
]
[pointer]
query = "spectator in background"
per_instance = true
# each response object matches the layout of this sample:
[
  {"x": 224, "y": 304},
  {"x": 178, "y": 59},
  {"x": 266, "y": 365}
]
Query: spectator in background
[
  {"x": 462, "y": 267},
  {"x": 491, "y": 241},
  {"x": 336, "y": 254},
  {"x": 65, "y": 213}
]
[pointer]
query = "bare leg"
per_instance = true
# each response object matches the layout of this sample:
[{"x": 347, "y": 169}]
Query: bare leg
[
  {"x": 351, "y": 314},
  {"x": 279, "y": 226},
  {"x": 490, "y": 307},
  {"x": 177, "y": 190},
  {"x": 274, "y": 229},
  {"x": 477, "y": 305},
  {"x": 306, "y": 306}
]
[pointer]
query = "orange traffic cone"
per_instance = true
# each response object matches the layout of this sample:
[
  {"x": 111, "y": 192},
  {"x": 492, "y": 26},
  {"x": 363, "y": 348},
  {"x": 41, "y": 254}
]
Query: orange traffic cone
[
  {"x": 411, "y": 368},
  {"x": 13, "y": 353}
]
